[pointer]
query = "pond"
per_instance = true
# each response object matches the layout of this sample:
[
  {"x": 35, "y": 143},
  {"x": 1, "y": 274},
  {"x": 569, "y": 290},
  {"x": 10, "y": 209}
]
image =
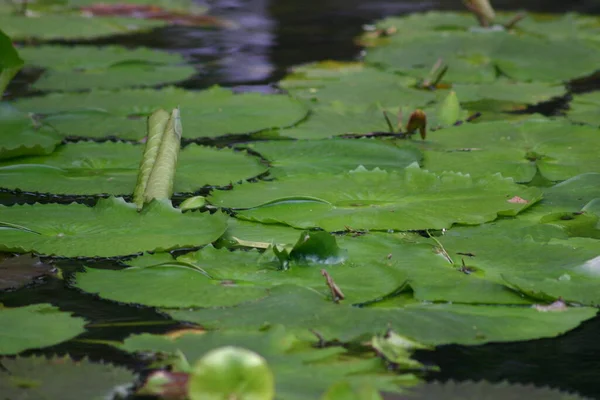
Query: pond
[{"x": 271, "y": 37}]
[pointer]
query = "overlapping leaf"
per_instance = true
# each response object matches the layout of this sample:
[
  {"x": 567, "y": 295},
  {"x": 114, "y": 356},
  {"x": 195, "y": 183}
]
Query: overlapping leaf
[
  {"x": 411, "y": 199},
  {"x": 557, "y": 149},
  {"x": 111, "y": 168},
  {"x": 111, "y": 228},
  {"x": 211, "y": 112},
  {"x": 585, "y": 108},
  {"x": 36, "y": 326}
]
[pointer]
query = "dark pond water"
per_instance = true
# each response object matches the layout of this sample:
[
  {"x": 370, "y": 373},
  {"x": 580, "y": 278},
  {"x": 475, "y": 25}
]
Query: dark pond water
[{"x": 272, "y": 36}]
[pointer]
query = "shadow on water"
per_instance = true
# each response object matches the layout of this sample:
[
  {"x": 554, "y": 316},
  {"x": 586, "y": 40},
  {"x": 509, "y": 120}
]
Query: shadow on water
[{"x": 270, "y": 37}]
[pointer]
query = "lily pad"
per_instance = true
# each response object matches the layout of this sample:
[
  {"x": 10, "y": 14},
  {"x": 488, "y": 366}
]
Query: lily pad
[
  {"x": 585, "y": 108},
  {"x": 301, "y": 371},
  {"x": 111, "y": 228},
  {"x": 300, "y": 309},
  {"x": 111, "y": 168},
  {"x": 557, "y": 149},
  {"x": 61, "y": 378},
  {"x": 20, "y": 136},
  {"x": 474, "y": 58},
  {"x": 213, "y": 112},
  {"x": 334, "y": 156},
  {"x": 72, "y": 27},
  {"x": 111, "y": 67},
  {"x": 34, "y": 327},
  {"x": 410, "y": 199},
  {"x": 10, "y": 64}
]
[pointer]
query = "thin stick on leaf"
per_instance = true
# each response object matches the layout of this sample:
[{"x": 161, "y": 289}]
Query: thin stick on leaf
[{"x": 336, "y": 292}]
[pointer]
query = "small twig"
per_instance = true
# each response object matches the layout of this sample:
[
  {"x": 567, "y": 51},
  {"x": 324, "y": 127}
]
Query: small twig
[
  {"x": 336, "y": 292},
  {"x": 388, "y": 121},
  {"x": 514, "y": 21},
  {"x": 322, "y": 342},
  {"x": 441, "y": 248}
]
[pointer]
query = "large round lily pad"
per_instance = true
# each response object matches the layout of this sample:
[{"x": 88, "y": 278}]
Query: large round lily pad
[
  {"x": 213, "y": 112},
  {"x": 36, "y": 326},
  {"x": 475, "y": 57},
  {"x": 112, "y": 168},
  {"x": 333, "y": 156},
  {"x": 111, "y": 67},
  {"x": 558, "y": 149},
  {"x": 111, "y": 228},
  {"x": 410, "y": 199}
]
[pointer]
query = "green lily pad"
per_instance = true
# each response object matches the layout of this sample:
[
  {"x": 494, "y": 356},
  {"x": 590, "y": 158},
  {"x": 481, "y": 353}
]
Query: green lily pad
[
  {"x": 319, "y": 73},
  {"x": 410, "y": 199},
  {"x": 585, "y": 108},
  {"x": 301, "y": 371},
  {"x": 111, "y": 168},
  {"x": 34, "y": 327},
  {"x": 300, "y": 309},
  {"x": 213, "y": 112},
  {"x": 475, "y": 57},
  {"x": 10, "y": 64},
  {"x": 20, "y": 136},
  {"x": 111, "y": 67},
  {"x": 60, "y": 378},
  {"x": 557, "y": 149},
  {"x": 72, "y": 27},
  {"x": 334, "y": 156},
  {"x": 111, "y": 228}
]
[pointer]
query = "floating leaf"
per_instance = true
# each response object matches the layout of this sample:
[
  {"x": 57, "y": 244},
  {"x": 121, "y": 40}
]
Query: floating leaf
[
  {"x": 61, "y": 378},
  {"x": 300, "y": 309},
  {"x": 10, "y": 63},
  {"x": 111, "y": 228},
  {"x": 585, "y": 108},
  {"x": 557, "y": 149},
  {"x": 111, "y": 67},
  {"x": 71, "y": 27},
  {"x": 334, "y": 156},
  {"x": 111, "y": 168},
  {"x": 20, "y": 136},
  {"x": 35, "y": 326},
  {"x": 474, "y": 58},
  {"x": 301, "y": 371},
  {"x": 376, "y": 200},
  {"x": 213, "y": 112}
]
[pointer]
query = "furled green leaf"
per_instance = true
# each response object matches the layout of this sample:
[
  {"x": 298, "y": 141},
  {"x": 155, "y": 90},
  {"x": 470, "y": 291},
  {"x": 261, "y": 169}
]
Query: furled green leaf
[
  {"x": 95, "y": 168},
  {"x": 38, "y": 377},
  {"x": 557, "y": 149},
  {"x": 10, "y": 62},
  {"x": 341, "y": 155},
  {"x": 213, "y": 112},
  {"x": 72, "y": 27},
  {"x": 35, "y": 326},
  {"x": 300, "y": 309},
  {"x": 302, "y": 372},
  {"x": 21, "y": 136},
  {"x": 449, "y": 110},
  {"x": 474, "y": 58},
  {"x": 410, "y": 199},
  {"x": 111, "y": 228}
]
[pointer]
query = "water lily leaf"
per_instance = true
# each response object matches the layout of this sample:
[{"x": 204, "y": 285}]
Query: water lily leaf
[
  {"x": 334, "y": 156},
  {"x": 301, "y": 371},
  {"x": 213, "y": 112},
  {"x": 507, "y": 94},
  {"x": 60, "y": 378},
  {"x": 556, "y": 269},
  {"x": 10, "y": 64},
  {"x": 585, "y": 108},
  {"x": 35, "y": 326},
  {"x": 377, "y": 200},
  {"x": 20, "y": 136},
  {"x": 111, "y": 168},
  {"x": 19, "y": 271},
  {"x": 300, "y": 309},
  {"x": 111, "y": 228},
  {"x": 474, "y": 58},
  {"x": 557, "y": 149},
  {"x": 255, "y": 233},
  {"x": 111, "y": 67},
  {"x": 485, "y": 390},
  {"x": 319, "y": 73},
  {"x": 365, "y": 87},
  {"x": 72, "y": 27}
]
